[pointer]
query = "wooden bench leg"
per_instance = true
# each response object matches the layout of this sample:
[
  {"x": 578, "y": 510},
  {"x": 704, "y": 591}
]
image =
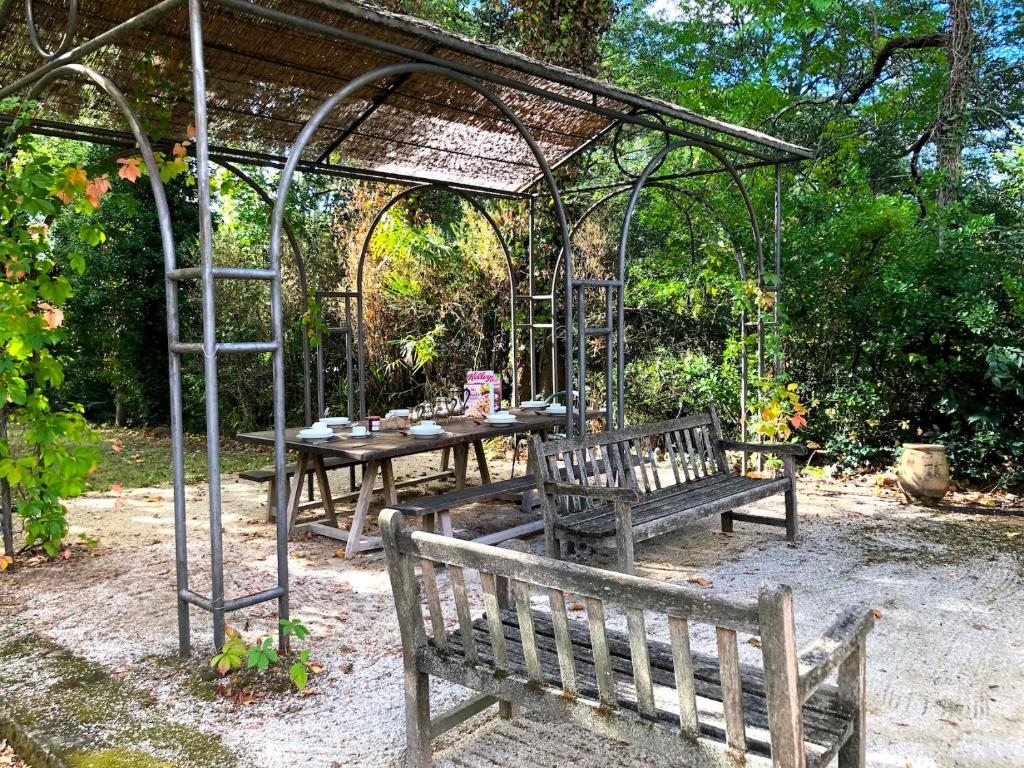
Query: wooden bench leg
[
  {"x": 417, "y": 719},
  {"x": 624, "y": 537},
  {"x": 727, "y": 522},
  {"x": 461, "y": 462},
  {"x": 272, "y": 500}
]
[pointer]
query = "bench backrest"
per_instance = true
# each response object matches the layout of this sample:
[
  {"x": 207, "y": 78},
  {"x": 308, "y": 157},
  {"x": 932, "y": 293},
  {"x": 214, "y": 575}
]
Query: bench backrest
[
  {"x": 626, "y": 457},
  {"x": 527, "y": 575}
]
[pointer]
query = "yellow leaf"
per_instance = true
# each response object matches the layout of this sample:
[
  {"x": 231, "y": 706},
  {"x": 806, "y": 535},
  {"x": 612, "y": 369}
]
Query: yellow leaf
[
  {"x": 5, "y": 562},
  {"x": 792, "y": 386}
]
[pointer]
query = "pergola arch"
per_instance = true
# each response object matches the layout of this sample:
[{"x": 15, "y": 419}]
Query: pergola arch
[
  {"x": 364, "y": 251},
  {"x": 107, "y": 86},
  {"x": 477, "y": 106}
]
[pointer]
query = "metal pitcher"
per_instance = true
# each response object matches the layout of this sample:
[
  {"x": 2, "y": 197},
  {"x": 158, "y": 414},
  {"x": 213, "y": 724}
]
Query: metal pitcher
[
  {"x": 457, "y": 400},
  {"x": 441, "y": 408}
]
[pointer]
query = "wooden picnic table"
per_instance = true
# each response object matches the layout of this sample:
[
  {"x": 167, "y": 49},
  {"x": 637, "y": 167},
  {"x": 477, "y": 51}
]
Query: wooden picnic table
[{"x": 377, "y": 451}]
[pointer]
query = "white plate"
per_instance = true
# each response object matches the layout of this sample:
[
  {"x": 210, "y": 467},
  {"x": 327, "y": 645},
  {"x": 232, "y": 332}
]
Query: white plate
[
  {"x": 422, "y": 433},
  {"x": 532, "y": 404},
  {"x": 315, "y": 434},
  {"x": 555, "y": 409}
]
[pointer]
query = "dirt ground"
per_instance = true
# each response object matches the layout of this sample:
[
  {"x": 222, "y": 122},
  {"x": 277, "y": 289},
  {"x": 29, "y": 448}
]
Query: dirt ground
[{"x": 945, "y": 664}]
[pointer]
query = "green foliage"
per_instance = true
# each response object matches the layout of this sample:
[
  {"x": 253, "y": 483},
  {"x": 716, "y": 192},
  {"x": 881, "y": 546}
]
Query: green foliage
[
  {"x": 52, "y": 458},
  {"x": 262, "y": 656}
]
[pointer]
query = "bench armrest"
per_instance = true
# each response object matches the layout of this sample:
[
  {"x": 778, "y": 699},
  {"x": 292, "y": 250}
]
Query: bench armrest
[
  {"x": 824, "y": 656},
  {"x": 783, "y": 449},
  {"x": 559, "y": 488}
]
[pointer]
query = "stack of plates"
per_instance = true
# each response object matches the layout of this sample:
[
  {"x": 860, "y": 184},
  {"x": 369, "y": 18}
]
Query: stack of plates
[
  {"x": 500, "y": 418},
  {"x": 555, "y": 408},
  {"x": 334, "y": 421},
  {"x": 426, "y": 430},
  {"x": 533, "y": 404}
]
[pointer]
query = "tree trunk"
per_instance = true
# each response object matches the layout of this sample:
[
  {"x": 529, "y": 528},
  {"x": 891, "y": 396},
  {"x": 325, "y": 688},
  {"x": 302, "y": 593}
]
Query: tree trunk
[{"x": 952, "y": 124}]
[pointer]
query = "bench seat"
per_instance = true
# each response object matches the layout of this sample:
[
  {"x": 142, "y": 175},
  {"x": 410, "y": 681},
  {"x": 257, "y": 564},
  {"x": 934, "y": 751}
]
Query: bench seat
[
  {"x": 428, "y": 505},
  {"x": 699, "y": 498},
  {"x": 827, "y": 722},
  {"x": 266, "y": 474}
]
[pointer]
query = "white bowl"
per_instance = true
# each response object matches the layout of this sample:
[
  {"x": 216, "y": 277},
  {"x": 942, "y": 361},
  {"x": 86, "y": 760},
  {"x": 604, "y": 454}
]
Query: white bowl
[
  {"x": 363, "y": 433},
  {"x": 316, "y": 433},
  {"x": 555, "y": 408},
  {"x": 533, "y": 404},
  {"x": 503, "y": 417},
  {"x": 419, "y": 430}
]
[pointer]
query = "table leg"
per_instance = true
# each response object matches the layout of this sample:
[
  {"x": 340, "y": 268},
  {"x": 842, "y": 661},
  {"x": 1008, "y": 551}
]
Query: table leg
[
  {"x": 388, "y": 480},
  {"x": 355, "y": 532},
  {"x": 481, "y": 462},
  {"x": 461, "y": 460},
  {"x": 295, "y": 497},
  {"x": 325, "y": 489}
]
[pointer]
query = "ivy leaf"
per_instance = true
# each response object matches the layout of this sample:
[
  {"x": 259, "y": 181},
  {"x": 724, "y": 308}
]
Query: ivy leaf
[{"x": 131, "y": 168}]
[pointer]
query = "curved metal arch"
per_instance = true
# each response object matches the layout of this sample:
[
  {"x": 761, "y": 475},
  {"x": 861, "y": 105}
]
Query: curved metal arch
[
  {"x": 365, "y": 250},
  {"x": 654, "y": 164},
  {"x": 697, "y": 198},
  {"x": 306, "y": 135},
  {"x": 78, "y": 71},
  {"x": 70, "y": 27}
]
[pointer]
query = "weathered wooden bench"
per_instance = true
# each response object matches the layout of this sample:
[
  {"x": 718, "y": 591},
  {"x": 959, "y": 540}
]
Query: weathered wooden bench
[
  {"x": 700, "y": 709},
  {"x": 268, "y": 476},
  {"x": 606, "y": 486}
]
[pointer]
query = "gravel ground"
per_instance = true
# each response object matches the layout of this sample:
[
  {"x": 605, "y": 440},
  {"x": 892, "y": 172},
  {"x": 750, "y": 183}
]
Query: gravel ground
[{"x": 945, "y": 670}]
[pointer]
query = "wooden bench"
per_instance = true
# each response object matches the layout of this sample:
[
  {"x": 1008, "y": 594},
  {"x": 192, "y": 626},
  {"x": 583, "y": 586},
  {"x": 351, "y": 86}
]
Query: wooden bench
[
  {"x": 434, "y": 512},
  {"x": 268, "y": 476},
  {"x": 606, "y": 486},
  {"x": 697, "y": 708}
]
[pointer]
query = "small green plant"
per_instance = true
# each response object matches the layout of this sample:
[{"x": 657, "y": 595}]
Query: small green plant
[
  {"x": 232, "y": 653},
  {"x": 261, "y": 655}
]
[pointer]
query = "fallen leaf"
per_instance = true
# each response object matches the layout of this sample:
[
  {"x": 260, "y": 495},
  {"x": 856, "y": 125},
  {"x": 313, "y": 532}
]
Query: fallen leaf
[
  {"x": 339, "y": 552},
  {"x": 700, "y": 581},
  {"x": 154, "y": 498},
  {"x": 116, "y": 448},
  {"x": 66, "y": 554},
  {"x": 576, "y": 607},
  {"x": 314, "y": 667},
  {"x": 5, "y": 562},
  {"x": 949, "y": 722},
  {"x": 755, "y": 641},
  {"x": 877, "y": 614},
  {"x": 1013, "y": 535}
]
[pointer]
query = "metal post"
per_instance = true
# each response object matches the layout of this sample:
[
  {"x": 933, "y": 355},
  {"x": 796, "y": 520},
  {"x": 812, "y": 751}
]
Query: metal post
[
  {"x": 581, "y": 342},
  {"x": 531, "y": 288},
  {"x": 608, "y": 315},
  {"x": 744, "y": 384},
  {"x": 209, "y": 320},
  {"x": 777, "y": 223}
]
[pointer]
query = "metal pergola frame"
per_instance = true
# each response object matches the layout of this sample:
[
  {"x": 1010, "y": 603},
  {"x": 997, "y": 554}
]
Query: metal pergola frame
[{"x": 493, "y": 68}]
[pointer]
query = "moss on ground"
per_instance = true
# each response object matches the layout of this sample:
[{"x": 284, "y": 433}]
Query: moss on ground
[{"x": 89, "y": 719}]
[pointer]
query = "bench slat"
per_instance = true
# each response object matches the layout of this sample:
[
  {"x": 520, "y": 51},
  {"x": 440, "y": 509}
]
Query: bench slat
[
  {"x": 599, "y": 650},
  {"x": 732, "y": 688},
  {"x": 640, "y": 657},
  {"x": 433, "y": 601},
  {"x": 462, "y": 611},
  {"x": 682, "y": 666},
  {"x": 521, "y": 590},
  {"x": 493, "y": 609},
  {"x": 426, "y": 505},
  {"x": 563, "y": 642}
]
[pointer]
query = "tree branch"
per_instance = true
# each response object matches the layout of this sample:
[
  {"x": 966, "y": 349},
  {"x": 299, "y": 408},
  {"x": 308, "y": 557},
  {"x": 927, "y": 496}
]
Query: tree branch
[{"x": 937, "y": 40}]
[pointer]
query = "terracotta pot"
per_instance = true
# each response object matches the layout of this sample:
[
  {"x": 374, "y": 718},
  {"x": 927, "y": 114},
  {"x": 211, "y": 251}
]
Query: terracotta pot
[{"x": 924, "y": 472}]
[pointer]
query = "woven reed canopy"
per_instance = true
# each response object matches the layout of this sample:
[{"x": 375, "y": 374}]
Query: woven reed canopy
[{"x": 267, "y": 74}]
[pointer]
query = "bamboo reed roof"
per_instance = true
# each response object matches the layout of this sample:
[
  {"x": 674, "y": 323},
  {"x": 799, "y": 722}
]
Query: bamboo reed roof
[{"x": 266, "y": 76}]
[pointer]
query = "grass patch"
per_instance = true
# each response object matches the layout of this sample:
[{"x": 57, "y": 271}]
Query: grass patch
[{"x": 137, "y": 458}]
